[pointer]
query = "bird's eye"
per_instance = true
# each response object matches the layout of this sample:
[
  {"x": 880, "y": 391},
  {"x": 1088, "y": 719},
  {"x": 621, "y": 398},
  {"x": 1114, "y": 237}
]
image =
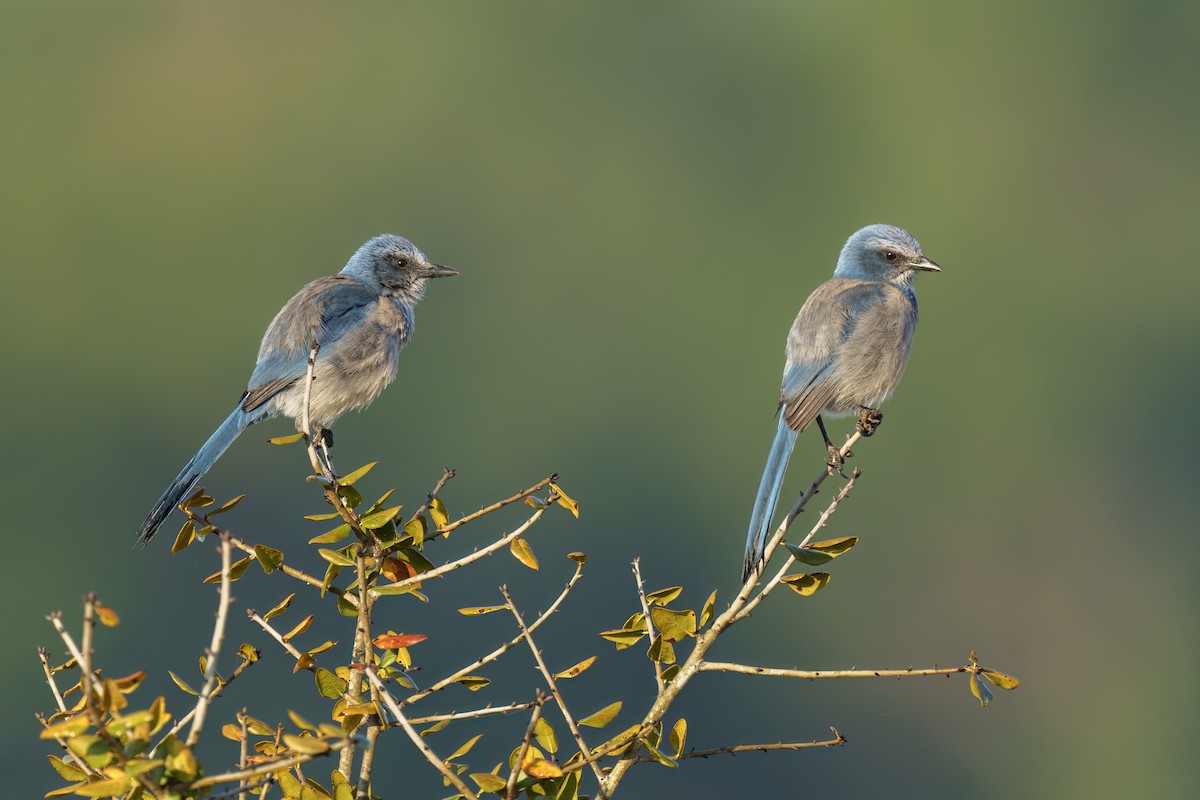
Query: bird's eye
[
  {"x": 400, "y": 261},
  {"x": 890, "y": 255}
]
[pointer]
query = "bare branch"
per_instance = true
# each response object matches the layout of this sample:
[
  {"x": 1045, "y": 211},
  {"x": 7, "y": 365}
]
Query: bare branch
[
  {"x": 641, "y": 590},
  {"x": 521, "y": 495},
  {"x": 417, "y": 741},
  {"x": 269, "y": 628},
  {"x": 550, "y": 683},
  {"x": 836, "y": 741},
  {"x": 187, "y": 718},
  {"x": 502, "y": 649},
  {"x": 214, "y": 649},
  {"x": 479, "y": 712},
  {"x": 267, "y": 768},
  {"x": 808, "y": 674}
]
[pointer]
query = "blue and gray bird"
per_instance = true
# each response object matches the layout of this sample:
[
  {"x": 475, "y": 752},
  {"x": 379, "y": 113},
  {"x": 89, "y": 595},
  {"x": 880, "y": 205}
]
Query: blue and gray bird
[
  {"x": 846, "y": 352},
  {"x": 358, "y": 319}
]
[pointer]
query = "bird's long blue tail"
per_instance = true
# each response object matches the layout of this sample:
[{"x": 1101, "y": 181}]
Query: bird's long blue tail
[
  {"x": 201, "y": 463},
  {"x": 768, "y": 495}
]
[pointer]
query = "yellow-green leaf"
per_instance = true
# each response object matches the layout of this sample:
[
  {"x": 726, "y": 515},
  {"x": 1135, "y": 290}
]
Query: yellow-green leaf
[
  {"x": 980, "y": 690},
  {"x": 379, "y": 518},
  {"x": 328, "y": 684},
  {"x": 332, "y": 537},
  {"x": 475, "y": 611},
  {"x": 663, "y": 597},
  {"x": 564, "y": 501},
  {"x": 232, "y": 504},
  {"x": 279, "y": 609},
  {"x": 678, "y": 737},
  {"x": 706, "y": 614},
  {"x": 674, "y": 625},
  {"x": 236, "y": 570},
  {"x": 308, "y": 745},
  {"x": 109, "y": 787},
  {"x": 661, "y": 650},
  {"x": 807, "y": 585},
  {"x": 186, "y": 535},
  {"x": 268, "y": 558},
  {"x": 416, "y": 528},
  {"x": 341, "y": 787},
  {"x": 623, "y": 637},
  {"x": 66, "y": 728},
  {"x": 462, "y": 751},
  {"x": 353, "y": 477},
  {"x": 292, "y": 439},
  {"x": 523, "y": 552},
  {"x": 437, "y": 512},
  {"x": 473, "y": 682},
  {"x": 819, "y": 553},
  {"x": 300, "y": 628},
  {"x": 335, "y": 557},
  {"x": 1000, "y": 679},
  {"x": 603, "y": 716},
  {"x": 182, "y": 685},
  {"x": 487, "y": 782},
  {"x": 543, "y": 731},
  {"x": 576, "y": 670},
  {"x": 579, "y": 558},
  {"x": 68, "y": 772}
]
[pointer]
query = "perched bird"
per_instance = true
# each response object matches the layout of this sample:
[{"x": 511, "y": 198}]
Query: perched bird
[
  {"x": 359, "y": 319},
  {"x": 846, "y": 352}
]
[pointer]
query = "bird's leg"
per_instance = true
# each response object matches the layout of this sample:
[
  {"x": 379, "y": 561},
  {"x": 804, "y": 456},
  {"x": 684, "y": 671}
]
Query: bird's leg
[
  {"x": 868, "y": 420},
  {"x": 324, "y": 438},
  {"x": 836, "y": 461}
]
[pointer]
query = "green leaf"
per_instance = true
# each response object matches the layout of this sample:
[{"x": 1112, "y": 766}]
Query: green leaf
[
  {"x": 663, "y": 597},
  {"x": 544, "y": 733},
  {"x": 68, "y": 772},
  {"x": 1000, "y": 679},
  {"x": 819, "y": 553},
  {"x": 394, "y": 589},
  {"x": 322, "y": 517},
  {"x": 670, "y": 672},
  {"x": 523, "y": 552},
  {"x": 657, "y": 754},
  {"x": 807, "y": 585},
  {"x": 306, "y": 745},
  {"x": 329, "y": 685},
  {"x": 187, "y": 535},
  {"x": 353, "y": 477},
  {"x": 268, "y": 558},
  {"x": 331, "y": 573},
  {"x": 341, "y": 787},
  {"x": 332, "y": 537},
  {"x": 110, "y": 787},
  {"x": 603, "y": 716},
  {"x": 575, "y": 671},
  {"x": 351, "y": 497},
  {"x": 413, "y": 557},
  {"x": 674, "y": 625},
  {"x": 336, "y": 557},
  {"x": 379, "y": 518},
  {"x": 278, "y": 440}
]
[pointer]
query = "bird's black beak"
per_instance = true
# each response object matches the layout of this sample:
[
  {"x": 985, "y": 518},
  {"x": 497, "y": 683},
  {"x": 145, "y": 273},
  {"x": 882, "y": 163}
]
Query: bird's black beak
[
  {"x": 438, "y": 271},
  {"x": 925, "y": 265}
]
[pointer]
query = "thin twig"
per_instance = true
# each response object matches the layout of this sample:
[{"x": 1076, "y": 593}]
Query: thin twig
[
  {"x": 791, "y": 559},
  {"x": 269, "y": 628},
  {"x": 521, "y": 495},
  {"x": 244, "y": 722},
  {"x": 214, "y": 649},
  {"x": 482, "y": 552},
  {"x": 447, "y": 474},
  {"x": 510, "y": 790},
  {"x": 837, "y": 740},
  {"x": 810, "y": 674},
  {"x": 299, "y": 575},
  {"x": 479, "y": 712},
  {"x": 267, "y": 768},
  {"x": 641, "y": 590},
  {"x": 58, "y": 698},
  {"x": 455, "y": 676},
  {"x": 550, "y": 683},
  {"x": 361, "y": 651},
  {"x": 691, "y": 665},
  {"x": 187, "y": 718},
  {"x": 419, "y": 742}
]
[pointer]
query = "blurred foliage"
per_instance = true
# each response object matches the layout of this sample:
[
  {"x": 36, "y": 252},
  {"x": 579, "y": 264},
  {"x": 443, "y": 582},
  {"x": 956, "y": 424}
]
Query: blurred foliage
[{"x": 639, "y": 197}]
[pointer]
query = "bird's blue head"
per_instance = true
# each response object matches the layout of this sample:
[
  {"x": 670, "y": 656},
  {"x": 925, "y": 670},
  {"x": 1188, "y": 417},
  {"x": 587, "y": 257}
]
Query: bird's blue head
[
  {"x": 883, "y": 253},
  {"x": 394, "y": 264}
]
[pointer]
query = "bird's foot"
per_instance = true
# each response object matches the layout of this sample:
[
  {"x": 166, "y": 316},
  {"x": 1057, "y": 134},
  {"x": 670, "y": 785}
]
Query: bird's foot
[
  {"x": 836, "y": 460},
  {"x": 868, "y": 420}
]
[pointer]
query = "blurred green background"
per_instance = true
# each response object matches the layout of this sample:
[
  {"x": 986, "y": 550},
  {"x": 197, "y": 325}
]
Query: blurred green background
[{"x": 639, "y": 197}]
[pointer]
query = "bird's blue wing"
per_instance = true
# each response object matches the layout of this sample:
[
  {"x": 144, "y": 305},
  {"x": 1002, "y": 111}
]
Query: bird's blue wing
[{"x": 324, "y": 312}]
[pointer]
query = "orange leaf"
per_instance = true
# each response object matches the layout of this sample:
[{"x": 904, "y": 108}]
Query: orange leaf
[{"x": 390, "y": 641}]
